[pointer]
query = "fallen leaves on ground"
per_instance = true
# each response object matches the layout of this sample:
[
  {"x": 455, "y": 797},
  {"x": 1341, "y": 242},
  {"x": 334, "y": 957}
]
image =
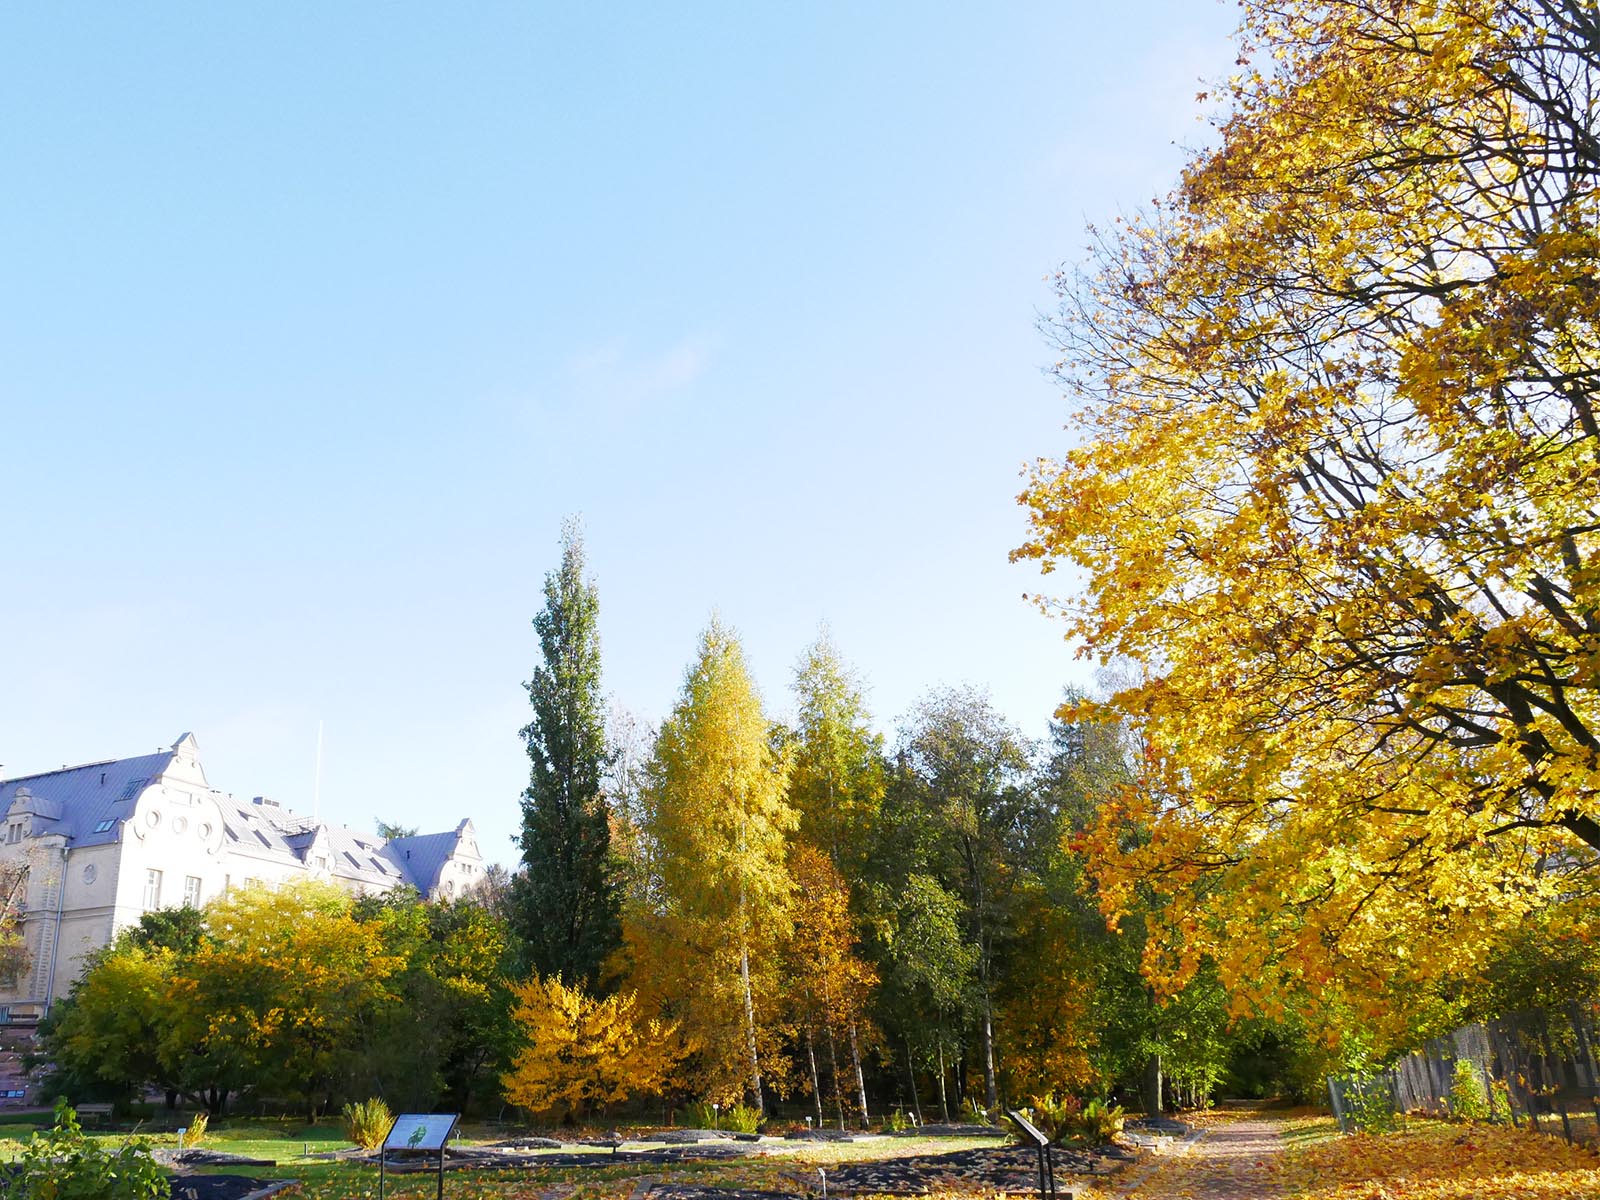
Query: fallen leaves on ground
[{"x": 1435, "y": 1161}]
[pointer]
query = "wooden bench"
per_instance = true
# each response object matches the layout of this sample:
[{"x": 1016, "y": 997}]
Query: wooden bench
[{"x": 100, "y": 1113}]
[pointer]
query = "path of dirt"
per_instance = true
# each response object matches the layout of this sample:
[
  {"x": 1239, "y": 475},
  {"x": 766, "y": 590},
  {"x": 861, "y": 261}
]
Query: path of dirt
[{"x": 1232, "y": 1162}]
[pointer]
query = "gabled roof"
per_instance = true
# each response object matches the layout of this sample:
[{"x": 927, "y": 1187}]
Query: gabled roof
[
  {"x": 422, "y": 857},
  {"x": 88, "y": 803},
  {"x": 86, "y": 797}
]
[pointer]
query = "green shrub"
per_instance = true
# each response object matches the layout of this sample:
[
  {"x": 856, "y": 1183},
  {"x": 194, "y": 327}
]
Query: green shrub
[
  {"x": 1058, "y": 1117},
  {"x": 1499, "y": 1101},
  {"x": 1101, "y": 1122},
  {"x": 971, "y": 1113},
  {"x": 367, "y": 1123},
  {"x": 1370, "y": 1105},
  {"x": 895, "y": 1121},
  {"x": 1469, "y": 1099},
  {"x": 741, "y": 1118},
  {"x": 700, "y": 1115},
  {"x": 62, "y": 1164}
]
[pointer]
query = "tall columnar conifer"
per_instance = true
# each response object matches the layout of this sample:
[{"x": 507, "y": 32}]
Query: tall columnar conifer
[{"x": 566, "y": 903}]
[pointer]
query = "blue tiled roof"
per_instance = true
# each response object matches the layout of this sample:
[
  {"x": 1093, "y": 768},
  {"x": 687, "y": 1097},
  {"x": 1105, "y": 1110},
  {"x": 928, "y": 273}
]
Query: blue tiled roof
[
  {"x": 422, "y": 857},
  {"x": 87, "y": 797},
  {"x": 88, "y": 803}
]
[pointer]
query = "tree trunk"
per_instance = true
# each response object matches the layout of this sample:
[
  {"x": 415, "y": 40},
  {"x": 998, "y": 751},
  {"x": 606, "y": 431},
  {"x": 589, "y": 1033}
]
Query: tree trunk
[
  {"x": 838, "y": 1087},
  {"x": 991, "y": 1097},
  {"x": 1152, "y": 1086},
  {"x": 861, "y": 1082},
  {"x": 911, "y": 1074},
  {"x": 816, "y": 1087},
  {"x": 750, "y": 1030},
  {"x": 944, "y": 1103}
]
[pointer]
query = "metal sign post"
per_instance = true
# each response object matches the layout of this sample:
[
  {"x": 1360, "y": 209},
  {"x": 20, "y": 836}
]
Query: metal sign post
[
  {"x": 1047, "y": 1169},
  {"x": 417, "y": 1131}
]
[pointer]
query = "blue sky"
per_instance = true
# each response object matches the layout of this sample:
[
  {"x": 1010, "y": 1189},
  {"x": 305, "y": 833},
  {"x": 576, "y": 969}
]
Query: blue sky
[{"x": 317, "y": 320}]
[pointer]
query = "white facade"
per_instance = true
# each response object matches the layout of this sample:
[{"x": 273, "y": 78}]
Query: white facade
[{"x": 106, "y": 842}]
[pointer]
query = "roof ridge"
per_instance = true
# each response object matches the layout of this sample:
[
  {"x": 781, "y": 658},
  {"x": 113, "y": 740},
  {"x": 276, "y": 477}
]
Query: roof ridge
[{"x": 104, "y": 762}]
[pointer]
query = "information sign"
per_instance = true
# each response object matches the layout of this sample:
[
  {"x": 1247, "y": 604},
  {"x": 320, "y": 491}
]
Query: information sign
[
  {"x": 1029, "y": 1129},
  {"x": 420, "y": 1131},
  {"x": 1041, "y": 1143},
  {"x": 417, "y": 1131}
]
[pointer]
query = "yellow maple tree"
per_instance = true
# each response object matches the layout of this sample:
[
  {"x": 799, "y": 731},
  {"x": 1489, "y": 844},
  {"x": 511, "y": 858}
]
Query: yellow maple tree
[
  {"x": 580, "y": 1053},
  {"x": 1335, "y": 493}
]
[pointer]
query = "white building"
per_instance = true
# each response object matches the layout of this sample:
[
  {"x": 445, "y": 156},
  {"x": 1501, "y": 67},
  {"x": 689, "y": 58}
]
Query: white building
[{"x": 108, "y": 841}]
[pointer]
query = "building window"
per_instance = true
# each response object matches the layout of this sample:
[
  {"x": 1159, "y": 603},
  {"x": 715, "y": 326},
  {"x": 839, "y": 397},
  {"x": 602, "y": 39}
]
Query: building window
[
  {"x": 152, "y": 889},
  {"x": 14, "y": 833},
  {"x": 191, "y": 890}
]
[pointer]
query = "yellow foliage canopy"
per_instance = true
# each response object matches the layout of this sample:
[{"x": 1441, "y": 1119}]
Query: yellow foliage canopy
[
  {"x": 703, "y": 936},
  {"x": 580, "y": 1053},
  {"x": 1337, "y": 493}
]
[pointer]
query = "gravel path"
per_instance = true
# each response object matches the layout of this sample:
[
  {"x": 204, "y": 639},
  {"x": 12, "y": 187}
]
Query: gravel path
[{"x": 1232, "y": 1162}]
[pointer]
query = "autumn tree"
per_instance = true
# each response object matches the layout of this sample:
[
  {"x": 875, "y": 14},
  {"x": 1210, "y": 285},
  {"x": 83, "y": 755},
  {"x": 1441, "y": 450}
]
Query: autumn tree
[
  {"x": 705, "y": 934},
  {"x": 276, "y": 994},
  {"x": 578, "y": 1054},
  {"x": 1335, "y": 494},
  {"x": 828, "y": 982},
  {"x": 567, "y": 900},
  {"x": 106, "y": 1039},
  {"x": 836, "y": 783}
]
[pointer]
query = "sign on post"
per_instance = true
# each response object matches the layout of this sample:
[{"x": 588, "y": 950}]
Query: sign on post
[
  {"x": 417, "y": 1131},
  {"x": 1041, "y": 1143}
]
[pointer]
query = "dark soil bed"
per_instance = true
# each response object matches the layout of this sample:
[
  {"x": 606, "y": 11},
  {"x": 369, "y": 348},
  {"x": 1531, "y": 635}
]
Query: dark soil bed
[
  {"x": 1004, "y": 1169},
  {"x": 224, "y": 1187}
]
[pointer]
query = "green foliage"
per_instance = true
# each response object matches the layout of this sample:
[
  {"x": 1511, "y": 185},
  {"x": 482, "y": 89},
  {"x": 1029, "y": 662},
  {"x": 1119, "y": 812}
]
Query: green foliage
[
  {"x": 63, "y": 1164},
  {"x": 735, "y": 1118},
  {"x": 175, "y": 929},
  {"x": 1100, "y": 1122},
  {"x": 741, "y": 1118},
  {"x": 837, "y": 783},
  {"x": 296, "y": 995},
  {"x": 567, "y": 902},
  {"x": 1499, "y": 1101},
  {"x": 1469, "y": 1099},
  {"x": 1370, "y": 1105},
  {"x": 449, "y": 1031},
  {"x": 972, "y": 1112},
  {"x": 1057, "y": 1116},
  {"x": 896, "y": 1120},
  {"x": 367, "y": 1122},
  {"x": 960, "y": 783}
]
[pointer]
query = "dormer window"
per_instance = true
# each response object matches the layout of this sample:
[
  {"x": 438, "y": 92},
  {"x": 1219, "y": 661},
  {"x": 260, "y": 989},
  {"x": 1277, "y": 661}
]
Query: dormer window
[{"x": 13, "y": 833}]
